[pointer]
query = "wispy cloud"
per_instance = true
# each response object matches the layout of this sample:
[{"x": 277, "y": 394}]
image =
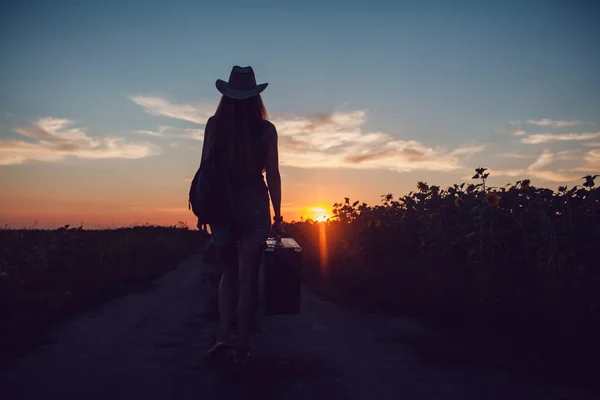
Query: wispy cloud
[
  {"x": 57, "y": 138},
  {"x": 591, "y": 162},
  {"x": 337, "y": 140},
  {"x": 160, "y": 132},
  {"x": 542, "y": 161},
  {"x": 174, "y": 133},
  {"x": 333, "y": 140},
  {"x": 516, "y": 155},
  {"x": 574, "y": 154},
  {"x": 554, "y": 123},
  {"x": 196, "y": 134},
  {"x": 511, "y": 132},
  {"x": 196, "y": 113},
  {"x": 559, "y": 137},
  {"x": 538, "y": 169}
]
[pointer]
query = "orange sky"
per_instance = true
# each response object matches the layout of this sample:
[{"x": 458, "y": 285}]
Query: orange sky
[
  {"x": 120, "y": 193},
  {"x": 116, "y": 193}
]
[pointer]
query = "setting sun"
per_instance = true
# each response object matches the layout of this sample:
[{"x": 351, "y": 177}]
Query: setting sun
[
  {"x": 319, "y": 214},
  {"x": 322, "y": 218}
]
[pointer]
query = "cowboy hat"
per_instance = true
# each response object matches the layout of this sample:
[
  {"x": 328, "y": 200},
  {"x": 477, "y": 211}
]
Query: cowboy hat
[{"x": 241, "y": 85}]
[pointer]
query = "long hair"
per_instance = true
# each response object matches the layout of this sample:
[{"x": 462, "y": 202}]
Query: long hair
[{"x": 234, "y": 120}]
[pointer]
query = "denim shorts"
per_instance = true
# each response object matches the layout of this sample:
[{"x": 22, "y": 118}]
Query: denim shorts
[{"x": 251, "y": 223}]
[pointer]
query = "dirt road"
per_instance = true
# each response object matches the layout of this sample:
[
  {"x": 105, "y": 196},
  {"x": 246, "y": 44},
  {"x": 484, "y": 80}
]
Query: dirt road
[{"x": 151, "y": 344}]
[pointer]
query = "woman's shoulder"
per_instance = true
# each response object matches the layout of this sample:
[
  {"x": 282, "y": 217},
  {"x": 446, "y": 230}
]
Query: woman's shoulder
[{"x": 269, "y": 127}]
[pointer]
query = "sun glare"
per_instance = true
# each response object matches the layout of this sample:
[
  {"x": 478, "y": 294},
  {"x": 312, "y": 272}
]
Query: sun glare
[{"x": 319, "y": 214}]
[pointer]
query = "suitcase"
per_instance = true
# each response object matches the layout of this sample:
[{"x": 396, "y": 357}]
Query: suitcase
[{"x": 282, "y": 276}]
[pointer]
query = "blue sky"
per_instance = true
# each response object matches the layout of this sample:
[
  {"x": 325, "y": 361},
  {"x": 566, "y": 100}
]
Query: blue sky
[{"x": 415, "y": 90}]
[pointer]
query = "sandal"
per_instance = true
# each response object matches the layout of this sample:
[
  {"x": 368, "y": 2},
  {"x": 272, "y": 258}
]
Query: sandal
[
  {"x": 240, "y": 356},
  {"x": 217, "y": 345}
]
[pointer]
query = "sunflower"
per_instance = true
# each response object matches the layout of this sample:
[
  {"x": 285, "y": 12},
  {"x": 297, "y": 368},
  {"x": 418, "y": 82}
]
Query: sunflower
[
  {"x": 525, "y": 184},
  {"x": 492, "y": 199},
  {"x": 458, "y": 201},
  {"x": 470, "y": 188},
  {"x": 423, "y": 187}
]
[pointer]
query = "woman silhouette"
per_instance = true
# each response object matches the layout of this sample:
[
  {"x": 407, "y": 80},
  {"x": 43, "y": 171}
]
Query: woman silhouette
[{"x": 245, "y": 145}]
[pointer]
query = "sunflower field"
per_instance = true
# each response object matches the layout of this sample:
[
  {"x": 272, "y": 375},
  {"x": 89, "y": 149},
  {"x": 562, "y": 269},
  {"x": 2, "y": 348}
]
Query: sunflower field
[{"x": 519, "y": 257}]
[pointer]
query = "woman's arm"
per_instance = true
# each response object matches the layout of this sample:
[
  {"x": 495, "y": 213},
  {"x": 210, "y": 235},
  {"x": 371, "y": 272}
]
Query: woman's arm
[
  {"x": 272, "y": 167},
  {"x": 206, "y": 142}
]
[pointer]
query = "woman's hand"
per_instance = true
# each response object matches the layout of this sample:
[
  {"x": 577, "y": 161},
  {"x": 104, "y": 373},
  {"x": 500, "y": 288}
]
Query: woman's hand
[{"x": 277, "y": 229}]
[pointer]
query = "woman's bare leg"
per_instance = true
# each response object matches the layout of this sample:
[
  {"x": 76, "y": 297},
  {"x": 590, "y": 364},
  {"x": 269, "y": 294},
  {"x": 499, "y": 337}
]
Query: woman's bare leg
[
  {"x": 250, "y": 257},
  {"x": 228, "y": 288}
]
